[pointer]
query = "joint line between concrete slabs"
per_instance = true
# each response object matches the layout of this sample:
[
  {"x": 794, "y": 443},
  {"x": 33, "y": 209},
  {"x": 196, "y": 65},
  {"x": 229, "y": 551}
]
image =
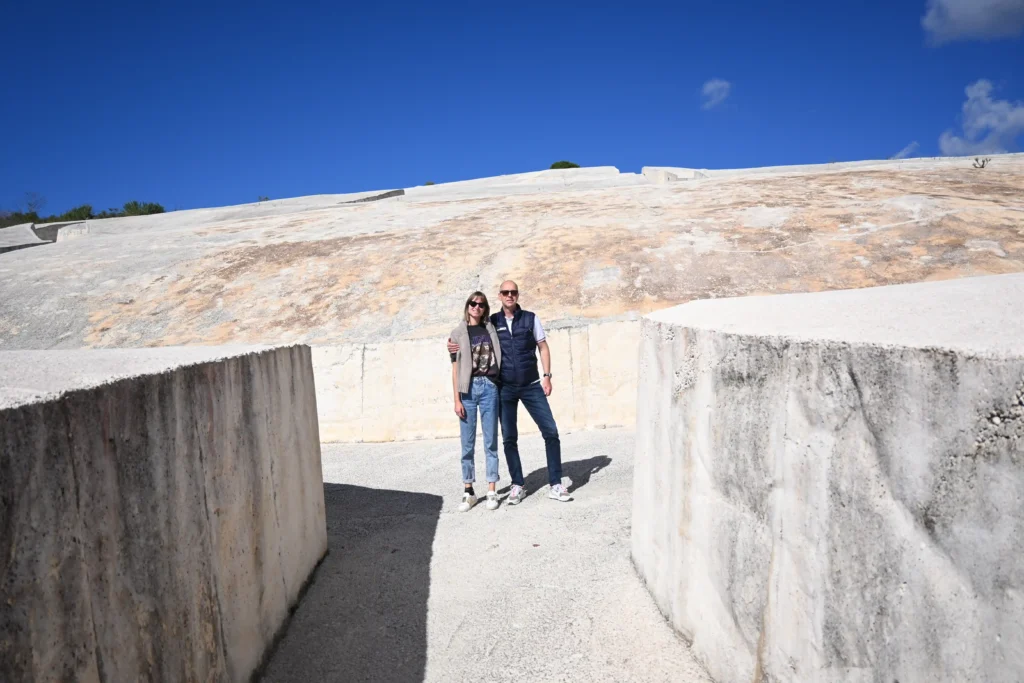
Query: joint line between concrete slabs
[
  {"x": 209, "y": 520},
  {"x": 65, "y": 413},
  {"x": 572, "y": 384},
  {"x": 778, "y": 487},
  {"x": 362, "y": 388},
  {"x": 273, "y": 361}
]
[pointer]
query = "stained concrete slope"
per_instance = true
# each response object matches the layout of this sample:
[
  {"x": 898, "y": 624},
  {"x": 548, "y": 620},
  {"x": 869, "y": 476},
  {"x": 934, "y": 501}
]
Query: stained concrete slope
[
  {"x": 323, "y": 272},
  {"x": 830, "y": 487},
  {"x": 414, "y": 591},
  {"x": 162, "y": 510}
]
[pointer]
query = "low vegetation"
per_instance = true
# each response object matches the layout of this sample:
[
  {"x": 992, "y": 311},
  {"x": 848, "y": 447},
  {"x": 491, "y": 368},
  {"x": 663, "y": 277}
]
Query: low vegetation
[
  {"x": 31, "y": 212},
  {"x": 565, "y": 164}
]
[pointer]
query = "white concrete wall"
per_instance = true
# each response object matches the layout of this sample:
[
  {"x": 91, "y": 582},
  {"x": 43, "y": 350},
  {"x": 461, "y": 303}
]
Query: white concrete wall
[
  {"x": 669, "y": 174},
  {"x": 830, "y": 487},
  {"x": 402, "y": 390},
  {"x": 72, "y": 230},
  {"x": 161, "y": 510}
]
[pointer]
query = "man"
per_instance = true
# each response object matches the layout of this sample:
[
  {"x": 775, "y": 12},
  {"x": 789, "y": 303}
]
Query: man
[{"x": 520, "y": 335}]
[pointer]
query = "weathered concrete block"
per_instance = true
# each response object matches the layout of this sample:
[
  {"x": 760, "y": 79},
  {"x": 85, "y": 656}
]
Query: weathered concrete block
[
  {"x": 402, "y": 390},
  {"x": 160, "y": 510},
  {"x": 339, "y": 391},
  {"x": 830, "y": 487}
]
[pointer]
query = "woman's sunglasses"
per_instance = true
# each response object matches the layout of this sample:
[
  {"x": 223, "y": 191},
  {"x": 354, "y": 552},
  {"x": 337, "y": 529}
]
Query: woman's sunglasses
[{"x": 476, "y": 304}]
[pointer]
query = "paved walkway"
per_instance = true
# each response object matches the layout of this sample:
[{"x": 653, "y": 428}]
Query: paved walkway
[{"x": 414, "y": 590}]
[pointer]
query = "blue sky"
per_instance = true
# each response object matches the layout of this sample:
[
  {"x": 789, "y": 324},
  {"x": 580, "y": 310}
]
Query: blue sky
[{"x": 209, "y": 103}]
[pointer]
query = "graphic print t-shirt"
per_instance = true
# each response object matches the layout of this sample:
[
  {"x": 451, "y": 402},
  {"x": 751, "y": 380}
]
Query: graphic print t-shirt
[{"x": 484, "y": 362}]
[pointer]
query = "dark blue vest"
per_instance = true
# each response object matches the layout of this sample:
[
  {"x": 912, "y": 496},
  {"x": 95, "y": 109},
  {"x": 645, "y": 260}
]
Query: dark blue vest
[{"x": 518, "y": 350}]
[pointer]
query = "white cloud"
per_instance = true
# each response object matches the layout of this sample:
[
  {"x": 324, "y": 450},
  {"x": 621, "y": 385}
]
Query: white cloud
[
  {"x": 906, "y": 151},
  {"x": 950, "y": 20},
  {"x": 715, "y": 91},
  {"x": 989, "y": 126}
]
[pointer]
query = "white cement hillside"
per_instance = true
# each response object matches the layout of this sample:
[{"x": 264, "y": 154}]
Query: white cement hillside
[{"x": 585, "y": 245}]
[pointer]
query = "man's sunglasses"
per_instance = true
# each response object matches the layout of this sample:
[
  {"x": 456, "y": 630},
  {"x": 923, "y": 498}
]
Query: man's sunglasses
[
  {"x": 476, "y": 304},
  {"x": 510, "y": 292}
]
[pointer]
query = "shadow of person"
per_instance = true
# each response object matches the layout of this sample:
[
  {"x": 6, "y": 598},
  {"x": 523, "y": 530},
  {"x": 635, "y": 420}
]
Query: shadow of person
[
  {"x": 364, "y": 614},
  {"x": 579, "y": 471}
]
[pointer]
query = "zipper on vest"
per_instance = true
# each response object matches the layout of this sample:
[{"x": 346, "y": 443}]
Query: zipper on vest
[{"x": 509, "y": 324}]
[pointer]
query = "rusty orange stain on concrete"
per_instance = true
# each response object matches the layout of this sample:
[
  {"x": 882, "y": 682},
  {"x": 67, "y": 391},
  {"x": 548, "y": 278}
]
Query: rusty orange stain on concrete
[{"x": 577, "y": 256}]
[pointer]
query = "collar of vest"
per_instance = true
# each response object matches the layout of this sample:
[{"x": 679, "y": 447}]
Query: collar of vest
[{"x": 519, "y": 312}]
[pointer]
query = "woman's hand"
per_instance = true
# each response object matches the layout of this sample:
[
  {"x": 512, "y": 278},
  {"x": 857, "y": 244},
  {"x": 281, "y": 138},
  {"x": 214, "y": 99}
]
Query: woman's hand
[
  {"x": 460, "y": 409},
  {"x": 452, "y": 347}
]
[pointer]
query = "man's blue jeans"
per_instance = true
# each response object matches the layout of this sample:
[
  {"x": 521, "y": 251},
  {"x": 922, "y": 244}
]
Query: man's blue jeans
[
  {"x": 483, "y": 394},
  {"x": 536, "y": 403}
]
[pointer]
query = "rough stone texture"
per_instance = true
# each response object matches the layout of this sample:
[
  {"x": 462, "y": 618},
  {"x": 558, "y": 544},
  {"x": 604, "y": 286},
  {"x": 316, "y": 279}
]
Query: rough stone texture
[
  {"x": 366, "y": 392},
  {"x": 830, "y": 487},
  {"x": 160, "y": 510}
]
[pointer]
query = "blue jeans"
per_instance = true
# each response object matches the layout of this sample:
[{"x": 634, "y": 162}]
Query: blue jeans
[
  {"x": 536, "y": 403},
  {"x": 483, "y": 394}
]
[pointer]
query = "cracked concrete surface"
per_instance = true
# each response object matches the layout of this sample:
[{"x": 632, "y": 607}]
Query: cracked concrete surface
[{"x": 413, "y": 590}]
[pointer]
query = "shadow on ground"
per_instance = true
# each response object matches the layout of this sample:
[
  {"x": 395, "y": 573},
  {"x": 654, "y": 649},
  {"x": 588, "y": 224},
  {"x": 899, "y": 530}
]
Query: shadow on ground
[
  {"x": 579, "y": 471},
  {"x": 364, "y": 616}
]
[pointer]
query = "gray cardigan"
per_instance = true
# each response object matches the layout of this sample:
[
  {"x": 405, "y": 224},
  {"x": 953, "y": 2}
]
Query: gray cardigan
[{"x": 464, "y": 357}]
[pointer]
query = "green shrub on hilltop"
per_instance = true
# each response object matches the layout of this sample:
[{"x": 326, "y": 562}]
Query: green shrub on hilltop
[
  {"x": 78, "y": 213},
  {"x": 564, "y": 164},
  {"x": 142, "y": 208}
]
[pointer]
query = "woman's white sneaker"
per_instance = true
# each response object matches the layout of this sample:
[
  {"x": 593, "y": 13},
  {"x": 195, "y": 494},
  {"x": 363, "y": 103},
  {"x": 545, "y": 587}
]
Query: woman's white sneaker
[
  {"x": 492, "y": 500},
  {"x": 559, "y": 493},
  {"x": 468, "y": 501}
]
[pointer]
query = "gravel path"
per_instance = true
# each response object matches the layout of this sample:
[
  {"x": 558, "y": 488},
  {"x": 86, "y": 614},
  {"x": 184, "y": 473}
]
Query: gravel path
[{"x": 414, "y": 590}]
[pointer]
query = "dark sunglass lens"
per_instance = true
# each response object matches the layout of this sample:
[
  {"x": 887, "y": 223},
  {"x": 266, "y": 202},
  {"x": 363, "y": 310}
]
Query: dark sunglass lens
[{"x": 476, "y": 304}]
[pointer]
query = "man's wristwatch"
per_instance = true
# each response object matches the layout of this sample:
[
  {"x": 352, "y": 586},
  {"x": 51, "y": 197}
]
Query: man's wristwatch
[{"x": 547, "y": 374}]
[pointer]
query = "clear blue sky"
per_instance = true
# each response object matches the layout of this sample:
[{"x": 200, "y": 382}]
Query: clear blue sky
[{"x": 207, "y": 103}]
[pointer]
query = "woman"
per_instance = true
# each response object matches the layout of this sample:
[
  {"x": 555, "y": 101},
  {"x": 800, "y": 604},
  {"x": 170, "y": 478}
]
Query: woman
[{"x": 473, "y": 380}]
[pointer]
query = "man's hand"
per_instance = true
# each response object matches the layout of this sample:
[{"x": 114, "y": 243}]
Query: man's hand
[
  {"x": 452, "y": 347},
  {"x": 460, "y": 410},
  {"x": 545, "y": 384}
]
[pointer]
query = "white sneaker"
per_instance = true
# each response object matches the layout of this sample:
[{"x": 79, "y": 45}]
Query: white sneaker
[
  {"x": 515, "y": 496},
  {"x": 468, "y": 501},
  {"x": 492, "y": 500},
  {"x": 559, "y": 493}
]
